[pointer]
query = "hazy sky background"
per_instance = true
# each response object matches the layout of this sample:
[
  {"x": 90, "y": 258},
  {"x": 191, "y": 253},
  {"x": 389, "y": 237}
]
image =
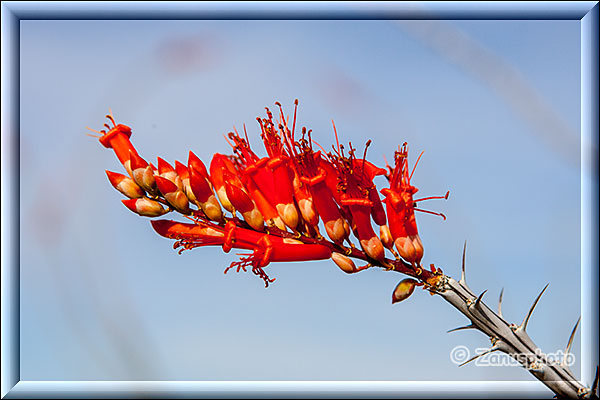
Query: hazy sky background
[{"x": 105, "y": 298}]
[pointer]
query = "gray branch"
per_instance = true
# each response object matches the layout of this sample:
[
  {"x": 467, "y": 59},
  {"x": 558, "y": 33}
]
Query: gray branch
[{"x": 513, "y": 340}]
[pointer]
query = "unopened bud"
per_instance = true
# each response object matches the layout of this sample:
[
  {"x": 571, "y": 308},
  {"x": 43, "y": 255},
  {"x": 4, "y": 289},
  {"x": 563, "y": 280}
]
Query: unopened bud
[
  {"x": 145, "y": 207},
  {"x": 173, "y": 194},
  {"x": 125, "y": 185},
  {"x": 405, "y": 288},
  {"x": 167, "y": 171},
  {"x": 142, "y": 173},
  {"x": 344, "y": 262},
  {"x": 254, "y": 218},
  {"x": 373, "y": 248},
  {"x": 406, "y": 249},
  {"x": 196, "y": 163},
  {"x": 289, "y": 214},
  {"x": 386, "y": 237}
]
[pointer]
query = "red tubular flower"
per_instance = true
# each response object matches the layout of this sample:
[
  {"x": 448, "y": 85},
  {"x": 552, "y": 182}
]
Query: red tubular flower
[
  {"x": 279, "y": 165},
  {"x": 201, "y": 188},
  {"x": 370, "y": 171},
  {"x": 266, "y": 248},
  {"x": 400, "y": 210},
  {"x": 354, "y": 187},
  {"x": 267, "y": 210},
  {"x": 305, "y": 202},
  {"x": 314, "y": 176},
  {"x": 258, "y": 179},
  {"x": 117, "y": 138},
  {"x": 242, "y": 202},
  {"x": 218, "y": 165}
]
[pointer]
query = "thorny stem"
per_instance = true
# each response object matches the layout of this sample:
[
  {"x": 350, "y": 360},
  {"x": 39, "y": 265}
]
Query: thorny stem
[
  {"x": 514, "y": 341},
  {"x": 504, "y": 336}
]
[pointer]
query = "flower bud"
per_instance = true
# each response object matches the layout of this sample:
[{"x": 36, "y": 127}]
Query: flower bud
[
  {"x": 197, "y": 164},
  {"x": 373, "y": 248},
  {"x": 344, "y": 262},
  {"x": 404, "y": 289},
  {"x": 167, "y": 171},
  {"x": 173, "y": 194},
  {"x": 145, "y": 207},
  {"x": 142, "y": 173},
  {"x": 125, "y": 185},
  {"x": 386, "y": 237}
]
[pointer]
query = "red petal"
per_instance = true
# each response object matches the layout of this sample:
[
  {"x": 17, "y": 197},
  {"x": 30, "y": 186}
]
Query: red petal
[{"x": 164, "y": 185}]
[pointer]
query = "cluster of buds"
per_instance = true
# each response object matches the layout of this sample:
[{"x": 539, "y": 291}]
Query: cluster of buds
[{"x": 276, "y": 206}]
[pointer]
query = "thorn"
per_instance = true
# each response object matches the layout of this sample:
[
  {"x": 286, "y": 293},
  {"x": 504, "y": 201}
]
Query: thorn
[
  {"x": 595, "y": 384},
  {"x": 500, "y": 304},
  {"x": 488, "y": 351},
  {"x": 478, "y": 302},
  {"x": 462, "y": 275},
  {"x": 460, "y": 328},
  {"x": 523, "y": 325},
  {"x": 570, "y": 342}
]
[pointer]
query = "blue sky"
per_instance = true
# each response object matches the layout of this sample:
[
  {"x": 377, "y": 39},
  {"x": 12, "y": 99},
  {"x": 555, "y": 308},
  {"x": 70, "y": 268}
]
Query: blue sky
[{"x": 104, "y": 297}]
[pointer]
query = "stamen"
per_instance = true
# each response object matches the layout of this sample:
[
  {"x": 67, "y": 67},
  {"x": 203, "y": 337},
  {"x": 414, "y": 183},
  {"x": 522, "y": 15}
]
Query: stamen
[
  {"x": 319, "y": 146},
  {"x": 434, "y": 197},
  {"x": 415, "y": 167},
  {"x": 294, "y": 123},
  {"x": 93, "y": 130},
  {"x": 110, "y": 117},
  {"x": 430, "y": 212},
  {"x": 336, "y": 137}
]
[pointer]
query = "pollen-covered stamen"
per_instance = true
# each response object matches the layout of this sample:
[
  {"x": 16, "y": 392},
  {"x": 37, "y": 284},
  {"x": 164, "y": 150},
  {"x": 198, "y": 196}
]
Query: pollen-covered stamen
[{"x": 241, "y": 148}]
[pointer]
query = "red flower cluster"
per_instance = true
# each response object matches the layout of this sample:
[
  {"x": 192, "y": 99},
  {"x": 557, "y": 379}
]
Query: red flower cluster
[{"x": 281, "y": 197}]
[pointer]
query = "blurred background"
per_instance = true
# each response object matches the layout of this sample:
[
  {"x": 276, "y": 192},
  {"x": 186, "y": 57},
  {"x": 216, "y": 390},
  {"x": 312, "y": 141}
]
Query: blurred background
[{"x": 495, "y": 105}]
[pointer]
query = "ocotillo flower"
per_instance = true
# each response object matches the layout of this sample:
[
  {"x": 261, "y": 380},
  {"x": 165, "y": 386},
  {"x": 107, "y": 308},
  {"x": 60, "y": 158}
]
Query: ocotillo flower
[
  {"x": 354, "y": 187},
  {"x": 292, "y": 187},
  {"x": 401, "y": 207}
]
